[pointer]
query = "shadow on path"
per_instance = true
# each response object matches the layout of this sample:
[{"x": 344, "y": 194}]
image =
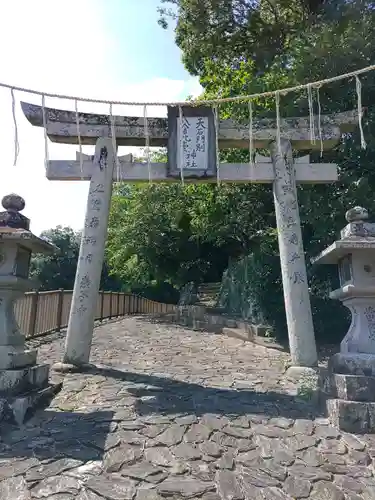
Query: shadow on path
[
  {"x": 81, "y": 436},
  {"x": 86, "y": 436},
  {"x": 169, "y": 396}
]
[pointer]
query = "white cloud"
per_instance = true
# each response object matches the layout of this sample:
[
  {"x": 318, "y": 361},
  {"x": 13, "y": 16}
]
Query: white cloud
[{"x": 47, "y": 48}]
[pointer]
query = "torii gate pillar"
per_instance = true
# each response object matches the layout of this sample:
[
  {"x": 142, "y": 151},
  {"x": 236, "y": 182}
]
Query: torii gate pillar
[
  {"x": 292, "y": 259},
  {"x": 87, "y": 282}
]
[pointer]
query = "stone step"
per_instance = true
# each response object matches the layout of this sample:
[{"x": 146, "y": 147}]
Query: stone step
[
  {"x": 20, "y": 380},
  {"x": 199, "y": 325},
  {"x": 352, "y": 387},
  {"x": 248, "y": 336},
  {"x": 237, "y": 333},
  {"x": 216, "y": 310},
  {"x": 208, "y": 291},
  {"x": 16, "y": 358},
  {"x": 208, "y": 297},
  {"x": 16, "y": 410},
  {"x": 353, "y": 363},
  {"x": 206, "y": 327},
  {"x": 256, "y": 330},
  {"x": 269, "y": 343},
  {"x": 356, "y": 417},
  {"x": 207, "y": 300},
  {"x": 201, "y": 319},
  {"x": 209, "y": 286}
]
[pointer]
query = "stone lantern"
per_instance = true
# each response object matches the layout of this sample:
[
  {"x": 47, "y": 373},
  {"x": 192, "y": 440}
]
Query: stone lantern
[
  {"x": 23, "y": 383},
  {"x": 351, "y": 379}
]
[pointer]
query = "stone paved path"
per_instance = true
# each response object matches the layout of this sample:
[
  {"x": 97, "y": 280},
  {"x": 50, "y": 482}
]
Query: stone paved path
[{"x": 180, "y": 414}]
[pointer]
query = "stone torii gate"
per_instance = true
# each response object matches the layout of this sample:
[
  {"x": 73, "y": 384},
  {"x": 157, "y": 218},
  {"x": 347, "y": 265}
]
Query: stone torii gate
[{"x": 280, "y": 169}]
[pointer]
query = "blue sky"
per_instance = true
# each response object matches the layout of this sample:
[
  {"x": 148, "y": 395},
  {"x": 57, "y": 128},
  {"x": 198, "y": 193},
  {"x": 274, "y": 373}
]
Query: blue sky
[
  {"x": 110, "y": 49},
  {"x": 142, "y": 44}
]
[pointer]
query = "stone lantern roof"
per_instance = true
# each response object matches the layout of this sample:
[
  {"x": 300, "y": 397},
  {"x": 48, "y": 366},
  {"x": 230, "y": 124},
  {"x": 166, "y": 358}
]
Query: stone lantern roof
[
  {"x": 357, "y": 235},
  {"x": 14, "y": 227}
]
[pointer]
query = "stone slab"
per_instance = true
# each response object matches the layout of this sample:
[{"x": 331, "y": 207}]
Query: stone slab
[
  {"x": 197, "y": 318},
  {"x": 237, "y": 333},
  {"x": 252, "y": 329},
  {"x": 17, "y": 409},
  {"x": 12, "y": 358},
  {"x": 19, "y": 381},
  {"x": 14, "y": 488},
  {"x": 357, "y": 417},
  {"x": 297, "y": 372},
  {"x": 352, "y": 387},
  {"x": 352, "y": 364}
]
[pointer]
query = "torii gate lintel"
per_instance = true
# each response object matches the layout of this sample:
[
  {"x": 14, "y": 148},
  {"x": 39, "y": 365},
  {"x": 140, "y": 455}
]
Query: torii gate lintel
[{"x": 130, "y": 131}]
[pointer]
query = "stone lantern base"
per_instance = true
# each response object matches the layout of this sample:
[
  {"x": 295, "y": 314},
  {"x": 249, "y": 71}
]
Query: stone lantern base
[
  {"x": 350, "y": 382},
  {"x": 24, "y": 385},
  {"x": 351, "y": 389}
]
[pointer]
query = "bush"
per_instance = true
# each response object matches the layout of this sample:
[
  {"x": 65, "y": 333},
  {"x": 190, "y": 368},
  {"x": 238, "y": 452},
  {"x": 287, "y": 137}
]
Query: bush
[{"x": 252, "y": 288}]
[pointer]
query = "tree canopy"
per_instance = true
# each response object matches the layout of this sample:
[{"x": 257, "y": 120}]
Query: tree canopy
[{"x": 231, "y": 32}]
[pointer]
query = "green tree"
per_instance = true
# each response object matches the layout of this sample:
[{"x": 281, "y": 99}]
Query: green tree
[
  {"x": 230, "y": 32},
  {"x": 58, "y": 269},
  {"x": 153, "y": 237}
]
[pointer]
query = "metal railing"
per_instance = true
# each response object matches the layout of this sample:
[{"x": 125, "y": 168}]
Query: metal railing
[{"x": 39, "y": 313}]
